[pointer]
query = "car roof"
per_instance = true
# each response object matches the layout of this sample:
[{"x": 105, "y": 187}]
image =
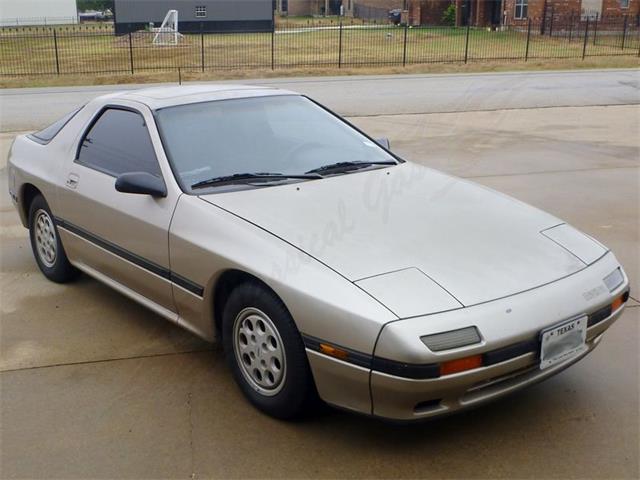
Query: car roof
[{"x": 162, "y": 97}]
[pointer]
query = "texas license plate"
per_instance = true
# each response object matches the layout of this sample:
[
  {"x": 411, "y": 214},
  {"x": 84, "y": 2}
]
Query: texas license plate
[{"x": 563, "y": 342}]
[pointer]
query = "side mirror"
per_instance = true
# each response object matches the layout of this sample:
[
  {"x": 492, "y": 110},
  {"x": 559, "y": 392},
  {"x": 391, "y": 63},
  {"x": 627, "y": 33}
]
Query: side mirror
[
  {"x": 384, "y": 142},
  {"x": 141, "y": 183}
]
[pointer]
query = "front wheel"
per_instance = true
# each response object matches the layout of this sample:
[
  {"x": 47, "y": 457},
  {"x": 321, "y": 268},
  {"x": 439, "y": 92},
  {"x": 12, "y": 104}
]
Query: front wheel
[
  {"x": 265, "y": 352},
  {"x": 46, "y": 244}
]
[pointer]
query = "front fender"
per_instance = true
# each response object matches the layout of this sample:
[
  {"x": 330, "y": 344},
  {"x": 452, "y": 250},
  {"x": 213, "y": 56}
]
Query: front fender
[{"x": 206, "y": 241}]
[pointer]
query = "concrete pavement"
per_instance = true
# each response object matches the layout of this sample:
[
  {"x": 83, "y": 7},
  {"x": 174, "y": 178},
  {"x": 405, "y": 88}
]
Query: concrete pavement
[{"x": 92, "y": 385}]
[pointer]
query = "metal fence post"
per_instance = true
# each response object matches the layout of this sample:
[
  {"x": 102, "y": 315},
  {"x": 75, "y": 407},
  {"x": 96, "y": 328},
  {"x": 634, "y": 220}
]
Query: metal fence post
[
  {"x": 404, "y": 45},
  {"x": 202, "y": 48},
  {"x": 624, "y": 31},
  {"x": 595, "y": 29},
  {"x": 55, "y": 46},
  {"x": 551, "y": 23},
  {"x": 638, "y": 25},
  {"x": 526, "y": 52},
  {"x": 571, "y": 27},
  {"x": 340, "y": 46},
  {"x": 466, "y": 44},
  {"x": 586, "y": 37},
  {"x": 273, "y": 46},
  {"x": 131, "y": 53}
]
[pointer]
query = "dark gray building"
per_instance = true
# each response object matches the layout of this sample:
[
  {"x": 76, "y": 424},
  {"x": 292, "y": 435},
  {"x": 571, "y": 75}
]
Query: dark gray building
[{"x": 194, "y": 15}]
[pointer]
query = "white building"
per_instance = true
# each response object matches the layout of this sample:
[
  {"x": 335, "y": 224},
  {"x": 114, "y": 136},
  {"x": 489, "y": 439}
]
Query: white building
[{"x": 37, "y": 12}]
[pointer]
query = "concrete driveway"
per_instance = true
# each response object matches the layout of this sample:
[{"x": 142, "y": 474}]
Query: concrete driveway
[{"x": 93, "y": 385}]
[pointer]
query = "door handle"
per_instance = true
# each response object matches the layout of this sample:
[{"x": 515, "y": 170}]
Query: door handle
[{"x": 72, "y": 180}]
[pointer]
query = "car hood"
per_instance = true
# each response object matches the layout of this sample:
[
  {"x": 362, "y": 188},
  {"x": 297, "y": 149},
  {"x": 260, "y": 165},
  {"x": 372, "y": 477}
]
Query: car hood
[{"x": 474, "y": 243}]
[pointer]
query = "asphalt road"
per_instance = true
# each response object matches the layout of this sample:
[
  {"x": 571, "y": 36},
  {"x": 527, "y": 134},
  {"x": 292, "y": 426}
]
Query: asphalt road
[
  {"x": 93, "y": 385},
  {"x": 23, "y": 109}
]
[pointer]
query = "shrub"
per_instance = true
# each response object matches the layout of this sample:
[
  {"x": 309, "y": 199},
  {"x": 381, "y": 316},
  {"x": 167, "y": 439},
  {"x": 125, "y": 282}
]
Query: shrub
[{"x": 449, "y": 15}]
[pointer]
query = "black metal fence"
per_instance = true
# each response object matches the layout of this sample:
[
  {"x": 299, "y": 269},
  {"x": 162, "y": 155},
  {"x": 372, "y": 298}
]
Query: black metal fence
[{"x": 95, "y": 50}]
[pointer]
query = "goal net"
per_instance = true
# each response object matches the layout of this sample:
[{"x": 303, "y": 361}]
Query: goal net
[{"x": 167, "y": 34}]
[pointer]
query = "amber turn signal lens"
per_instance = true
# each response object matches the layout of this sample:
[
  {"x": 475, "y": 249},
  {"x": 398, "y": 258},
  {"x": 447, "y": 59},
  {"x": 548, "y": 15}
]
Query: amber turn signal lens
[
  {"x": 460, "y": 365},
  {"x": 617, "y": 303},
  {"x": 333, "y": 351}
]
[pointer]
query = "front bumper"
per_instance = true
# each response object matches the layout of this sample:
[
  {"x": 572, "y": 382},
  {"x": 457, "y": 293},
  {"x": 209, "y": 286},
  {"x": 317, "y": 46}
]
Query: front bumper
[
  {"x": 397, "y": 385},
  {"x": 409, "y": 399}
]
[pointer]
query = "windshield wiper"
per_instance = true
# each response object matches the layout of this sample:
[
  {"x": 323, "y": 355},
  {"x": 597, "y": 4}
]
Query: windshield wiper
[
  {"x": 244, "y": 177},
  {"x": 347, "y": 166}
]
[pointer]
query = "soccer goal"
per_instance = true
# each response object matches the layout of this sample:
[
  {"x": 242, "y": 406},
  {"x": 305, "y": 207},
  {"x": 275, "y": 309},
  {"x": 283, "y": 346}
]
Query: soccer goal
[{"x": 167, "y": 34}]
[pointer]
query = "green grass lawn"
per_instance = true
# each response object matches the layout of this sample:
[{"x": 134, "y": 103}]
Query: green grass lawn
[{"x": 78, "y": 51}]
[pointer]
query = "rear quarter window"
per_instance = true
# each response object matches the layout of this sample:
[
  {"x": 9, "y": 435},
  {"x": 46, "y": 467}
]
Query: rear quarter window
[{"x": 47, "y": 134}]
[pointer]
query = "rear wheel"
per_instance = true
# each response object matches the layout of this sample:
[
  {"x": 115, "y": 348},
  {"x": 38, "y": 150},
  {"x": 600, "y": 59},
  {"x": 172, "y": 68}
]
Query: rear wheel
[
  {"x": 46, "y": 245},
  {"x": 265, "y": 352}
]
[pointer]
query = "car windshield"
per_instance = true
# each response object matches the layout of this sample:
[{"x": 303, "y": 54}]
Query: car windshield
[{"x": 286, "y": 135}]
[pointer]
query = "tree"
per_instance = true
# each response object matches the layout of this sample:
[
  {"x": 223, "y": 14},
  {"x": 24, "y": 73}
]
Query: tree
[{"x": 99, "y": 5}]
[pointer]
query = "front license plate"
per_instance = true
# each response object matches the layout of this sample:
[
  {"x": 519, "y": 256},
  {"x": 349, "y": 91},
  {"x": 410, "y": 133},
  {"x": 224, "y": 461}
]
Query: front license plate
[{"x": 563, "y": 342}]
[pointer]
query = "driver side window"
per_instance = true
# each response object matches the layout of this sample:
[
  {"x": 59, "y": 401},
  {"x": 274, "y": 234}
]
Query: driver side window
[{"x": 118, "y": 142}]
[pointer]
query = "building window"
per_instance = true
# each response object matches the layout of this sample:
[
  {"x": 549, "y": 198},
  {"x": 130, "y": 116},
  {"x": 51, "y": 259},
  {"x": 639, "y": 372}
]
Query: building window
[
  {"x": 521, "y": 8},
  {"x": 284, "y": 6},
  {"x": 624, "y": 3},
  {"x": 201, "y": 12}
]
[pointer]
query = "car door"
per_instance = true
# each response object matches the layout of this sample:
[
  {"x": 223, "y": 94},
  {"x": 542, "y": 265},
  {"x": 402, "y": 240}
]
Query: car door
[{"x": 120, "y": 237}]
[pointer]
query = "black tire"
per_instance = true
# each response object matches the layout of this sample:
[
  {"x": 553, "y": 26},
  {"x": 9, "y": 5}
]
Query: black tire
[
  {"x": 58, "y": 269},
  {"x": 297, "y": 393}
]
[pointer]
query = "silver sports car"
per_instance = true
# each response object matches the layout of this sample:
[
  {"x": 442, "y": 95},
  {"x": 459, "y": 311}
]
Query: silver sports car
[{"x": 325, "y": 264}]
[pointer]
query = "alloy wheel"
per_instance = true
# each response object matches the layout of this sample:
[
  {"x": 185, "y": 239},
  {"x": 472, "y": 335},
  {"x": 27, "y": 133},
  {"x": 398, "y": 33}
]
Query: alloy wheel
[
  {"x": 45, "y": 236},
  {"x": 259, "y": 351}
]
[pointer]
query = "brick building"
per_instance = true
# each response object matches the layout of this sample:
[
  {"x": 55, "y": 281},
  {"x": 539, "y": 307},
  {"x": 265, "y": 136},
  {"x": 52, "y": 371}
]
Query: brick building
[
  {"x": 517, "y": 12},
  {"x": 474, "y": 12},
  {"x": 427, "y": 12}
]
